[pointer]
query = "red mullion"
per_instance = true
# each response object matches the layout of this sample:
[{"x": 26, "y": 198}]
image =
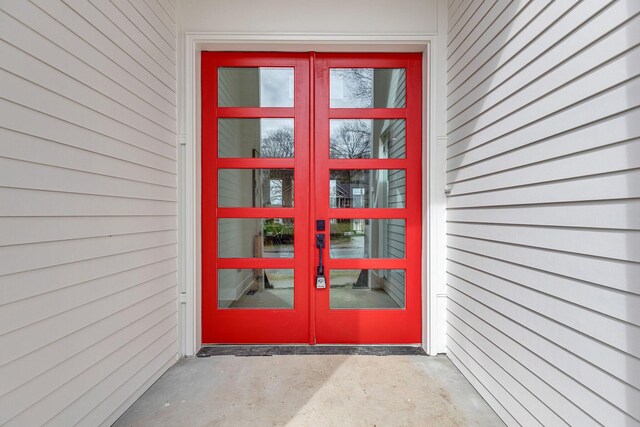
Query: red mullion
[
  {"x": 302, "y": 197},
  {"x": 341, "y": 164},
  {"x": 321, "y": 182},
  {"x": 367, "y": 213},
  {"x": 256, "y": 59},
  {"x": 255, "y": 112},
  {"x": 368, "y": 264},
  {"x": 367, "y": 60},
  {"x": 231, "y": 263},
  {"x": 310, "y": 256},
  {"x": 367, "y": 113},
  {"x": 256, "y": 213},
  {"x": 255, "y": 163}
]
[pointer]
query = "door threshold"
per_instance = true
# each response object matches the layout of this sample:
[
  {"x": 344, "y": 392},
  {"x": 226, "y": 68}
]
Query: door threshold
[{"x": 300, "y": 350}]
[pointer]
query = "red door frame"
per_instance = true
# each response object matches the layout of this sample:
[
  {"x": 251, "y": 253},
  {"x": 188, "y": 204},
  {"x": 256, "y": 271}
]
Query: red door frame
[
  {"x": 370, "y": 326},
  {"x": 311, "y": 321}
]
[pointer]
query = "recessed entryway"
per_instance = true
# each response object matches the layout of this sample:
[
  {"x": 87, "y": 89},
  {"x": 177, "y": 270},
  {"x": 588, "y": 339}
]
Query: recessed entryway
[{"x": 311, "y": 198}]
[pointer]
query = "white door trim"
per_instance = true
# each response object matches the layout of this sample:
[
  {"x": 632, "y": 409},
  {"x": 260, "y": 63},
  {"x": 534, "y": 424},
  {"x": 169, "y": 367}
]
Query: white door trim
[{"x": 434, "y": 90}]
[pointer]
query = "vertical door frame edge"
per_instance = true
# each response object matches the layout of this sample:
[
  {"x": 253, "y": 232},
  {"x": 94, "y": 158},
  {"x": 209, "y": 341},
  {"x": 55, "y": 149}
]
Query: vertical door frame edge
[{"x": 434, "y": 202}]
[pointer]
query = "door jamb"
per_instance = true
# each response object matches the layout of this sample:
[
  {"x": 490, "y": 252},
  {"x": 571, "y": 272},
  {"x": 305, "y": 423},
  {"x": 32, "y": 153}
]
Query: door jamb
[{"x": 434, "y": 149}]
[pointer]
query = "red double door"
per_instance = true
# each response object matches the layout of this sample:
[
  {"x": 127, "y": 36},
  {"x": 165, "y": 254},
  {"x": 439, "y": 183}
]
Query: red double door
[{"x": 311, "y": 198}]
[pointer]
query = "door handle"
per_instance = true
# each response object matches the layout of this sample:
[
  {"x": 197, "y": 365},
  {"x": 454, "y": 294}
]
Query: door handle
[{"x": 321, "y": 282}]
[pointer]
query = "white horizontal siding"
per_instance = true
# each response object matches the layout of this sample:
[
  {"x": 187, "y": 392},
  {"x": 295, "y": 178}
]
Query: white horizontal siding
[
  {"x": 40, "y": 125},
  {"x": 543, "y": 215},
  {"x": 21, "y": 146},
  {"x": 87, "y": 207}
]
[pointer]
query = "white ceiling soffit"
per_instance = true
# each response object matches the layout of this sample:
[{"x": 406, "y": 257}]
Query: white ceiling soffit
[{"x": 312, "y": 42}]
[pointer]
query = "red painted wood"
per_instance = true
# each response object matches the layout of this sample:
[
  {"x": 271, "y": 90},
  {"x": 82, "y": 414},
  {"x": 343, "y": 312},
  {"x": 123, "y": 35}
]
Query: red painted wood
[
  {"x": 367, "y": 113},
  {"x": 257, "y": 213},
  {"x": 371, "y": 326},
  {"x": 254, "y": 325},
  {"x": 357, "y": 263},
  {"x": 231, "y": 163},
  {"x": 366, "y": 164},
  {"x": 311, "y": 320},
  {"x": 310, "y": 273},
  {"x": 256, "y": 263},
  {"x": 255, "y": 112},
  {"x": 364, "y": 213}
]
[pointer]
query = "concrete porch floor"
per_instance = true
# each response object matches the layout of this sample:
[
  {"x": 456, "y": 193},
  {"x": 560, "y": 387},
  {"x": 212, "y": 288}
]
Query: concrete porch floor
[{"x": 311, "y": 390}]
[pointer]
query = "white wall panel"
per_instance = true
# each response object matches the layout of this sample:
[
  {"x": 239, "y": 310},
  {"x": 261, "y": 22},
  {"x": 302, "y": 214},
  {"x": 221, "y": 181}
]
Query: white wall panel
[
  {"x": 88, "y": 204},
  {"x": 543, "y": 231},
  {"x": 294, "y": 16}
]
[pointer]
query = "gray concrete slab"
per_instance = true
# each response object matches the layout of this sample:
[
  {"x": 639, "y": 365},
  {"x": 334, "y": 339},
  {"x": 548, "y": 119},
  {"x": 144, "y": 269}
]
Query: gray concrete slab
[{"x": 311, "y": 391}]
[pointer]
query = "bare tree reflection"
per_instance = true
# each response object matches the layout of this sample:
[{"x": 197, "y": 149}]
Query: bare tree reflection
[
  {"x": 274, "y": 187},
  {"x": 278, "y": 143},
  {"x": 358, "y": 85},
  {"x": 351, "y": 140}
]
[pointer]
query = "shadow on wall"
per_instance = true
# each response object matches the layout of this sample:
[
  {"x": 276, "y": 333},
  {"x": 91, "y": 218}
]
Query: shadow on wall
[{"x": 473, "y": 153}]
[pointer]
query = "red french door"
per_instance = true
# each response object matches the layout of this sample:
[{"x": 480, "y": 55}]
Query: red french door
[
  {"x": 370, "y": 193},
  {"x": 253, "y": 244},
  {"x": 303, "y": 153}
]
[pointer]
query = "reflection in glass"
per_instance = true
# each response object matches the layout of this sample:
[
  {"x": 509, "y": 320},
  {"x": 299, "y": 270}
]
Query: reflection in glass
[
  {"x": 367, "y": 238},
  {"x": 255, "y": 138},
  {"x": 367, "y": 87},
  {"x": 367, "y": 139},
  {"x": 255, "y": 238},
  {"x": 367, "y": 288},
  {"x": 255, "y": 288},
  {"x": 363, "y": 188},
  {"x": 255, "y": 87},
  {"x": 271, "y": 188}
]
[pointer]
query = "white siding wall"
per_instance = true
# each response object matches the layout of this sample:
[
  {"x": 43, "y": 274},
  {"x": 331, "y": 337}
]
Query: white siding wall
[
  {"x": 87, "y": 207},
  {"x": 543, "y": 216}
]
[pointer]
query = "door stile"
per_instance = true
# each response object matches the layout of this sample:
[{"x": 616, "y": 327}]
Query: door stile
[{"x": 312, "y": 201}]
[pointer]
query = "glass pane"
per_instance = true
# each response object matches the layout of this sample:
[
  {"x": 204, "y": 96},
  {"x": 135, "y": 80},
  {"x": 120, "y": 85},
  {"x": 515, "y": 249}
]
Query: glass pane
[
  {"x": 258, "y": 188},
  {"x": 364, "y": 188},
  {"x": 367, "y": 238},
  {"x": 255, "y": 288},
  {"x": 367, "y": 288},
  {"x": 367, "y": 87},
  {"x": 255, "y": 138},
  {"x": 367, "y": 139},
  {"x": 255, "y": 87},
  {"x": 255, "y": 238}
]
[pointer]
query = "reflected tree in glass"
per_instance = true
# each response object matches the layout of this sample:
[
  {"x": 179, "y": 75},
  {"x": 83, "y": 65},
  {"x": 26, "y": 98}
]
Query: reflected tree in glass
[
  {"x": 358, "y": 85},
  {"x": 367, "y": 87},
  {"x": 278, "y": 143},
  {"x": 351, "y": 139}
]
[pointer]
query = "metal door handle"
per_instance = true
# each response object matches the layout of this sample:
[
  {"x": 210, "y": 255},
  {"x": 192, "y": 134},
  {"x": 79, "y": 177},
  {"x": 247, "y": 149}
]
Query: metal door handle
[{"x": 321, "y": 283}]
